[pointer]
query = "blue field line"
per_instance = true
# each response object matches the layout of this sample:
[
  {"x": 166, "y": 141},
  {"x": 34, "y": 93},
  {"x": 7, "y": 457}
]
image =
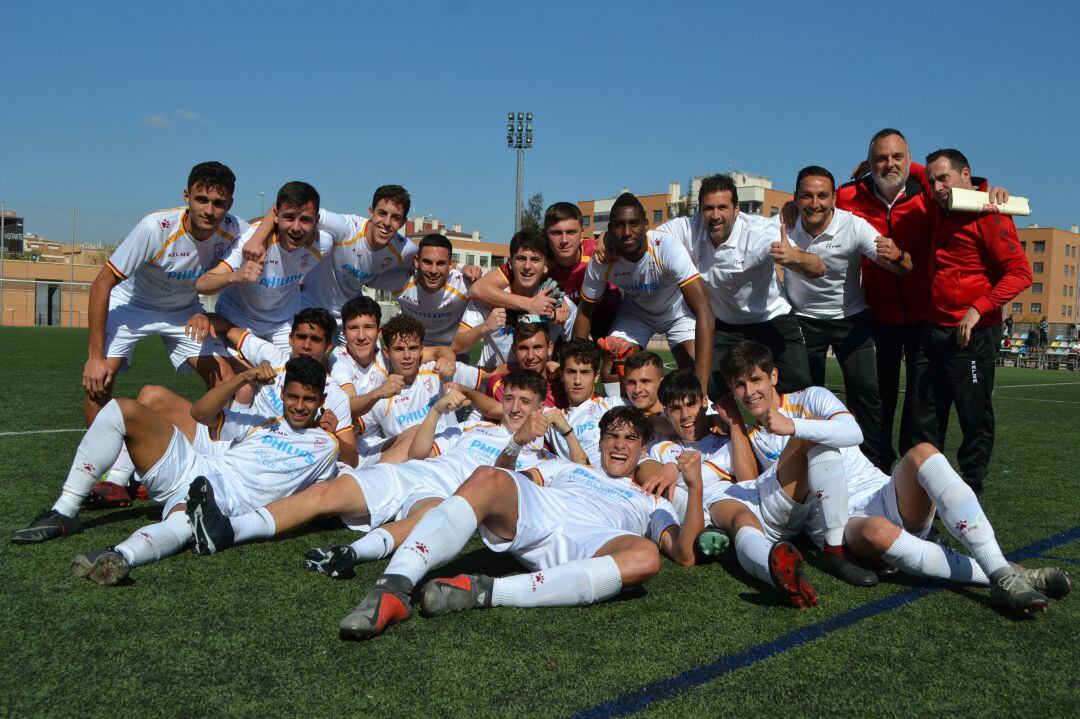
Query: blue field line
[
  {"x": 635, "y": 701},
  {"x": 1055, "y": 558}
]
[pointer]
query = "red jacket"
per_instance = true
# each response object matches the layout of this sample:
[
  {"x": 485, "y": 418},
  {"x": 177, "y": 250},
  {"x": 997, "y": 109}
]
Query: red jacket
[
  {"x": 977, "y": 262},
  {"x": 895, "y": 300}
]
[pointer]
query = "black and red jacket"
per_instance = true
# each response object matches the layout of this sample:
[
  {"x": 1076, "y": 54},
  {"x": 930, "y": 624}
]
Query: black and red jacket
[
  {"x": 892, "y": 299},
  {"x": 977, "y": 262}
]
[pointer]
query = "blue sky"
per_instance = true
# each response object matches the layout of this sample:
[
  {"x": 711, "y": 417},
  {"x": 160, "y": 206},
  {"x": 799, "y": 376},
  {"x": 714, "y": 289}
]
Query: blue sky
[{"x": 107, "y": 106}]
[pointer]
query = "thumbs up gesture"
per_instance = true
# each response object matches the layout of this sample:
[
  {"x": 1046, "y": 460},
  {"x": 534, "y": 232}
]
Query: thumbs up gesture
[{"x": 783, "y": 252}]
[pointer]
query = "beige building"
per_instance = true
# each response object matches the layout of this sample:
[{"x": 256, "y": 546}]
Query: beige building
[{"x": 1055, "y": 292}]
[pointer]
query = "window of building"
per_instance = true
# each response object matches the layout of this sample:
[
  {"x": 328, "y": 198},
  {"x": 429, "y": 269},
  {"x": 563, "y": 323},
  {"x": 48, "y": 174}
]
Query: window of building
[
  {"x": 1023, "y": 245},
  {"x": 471, "y": 259},
  {"x": 1039, "y": 246},
  {"x": 1036, "y": 288},
  {"x": 1070, "y": 291},
  {"x": 1017, "y": 308},
  {"x": 586, "y": 220},
  {"x": 1070, "y": 312},
  {"x": 602, "y": 217},
  {"x": 1037, "y": 267},
  {"x": 1036, "y": 308},
  {"x": 773, "y": 211},
  {"x": 457, "y": 257},
  {"x": 658, "y": 216},
  {"x": 483, "y": 260}
]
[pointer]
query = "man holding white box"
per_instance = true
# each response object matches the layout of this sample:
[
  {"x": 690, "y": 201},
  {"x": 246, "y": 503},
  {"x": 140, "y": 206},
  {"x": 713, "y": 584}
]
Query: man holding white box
[{"x": 978, "y": 266}]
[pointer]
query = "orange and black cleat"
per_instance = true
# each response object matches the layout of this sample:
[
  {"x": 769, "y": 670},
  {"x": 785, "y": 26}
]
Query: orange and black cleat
[
  {"x": 387, "y": 603},
  {"x": 785, "y": 568}
]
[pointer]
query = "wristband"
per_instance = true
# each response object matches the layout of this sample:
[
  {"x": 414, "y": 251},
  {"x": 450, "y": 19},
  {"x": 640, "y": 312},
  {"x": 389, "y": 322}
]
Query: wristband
[
  {"x": 512, "y": 448},
  {"x": 899, "y": 258},
  {"x": 568, "y": 432}
]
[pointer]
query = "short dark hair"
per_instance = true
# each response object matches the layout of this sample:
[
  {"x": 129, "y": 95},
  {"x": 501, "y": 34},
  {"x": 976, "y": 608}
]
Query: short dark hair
[
  {"x": 628, "y": 414},
  {"x": 361, "y": 305},
  {"x": 583, "y": 351},
  {"x": 627, "y": 199},
  {"x": 529, "y": 240},
  {"x": 526, "y": 379},
  {"x": 955, "y": 157},
  {"x": 814, "y": 171},
  {"x": 527, "y": 330},
  {"x": 744, "y": 358},
  {"x": 316, "y": 317},
  {"x": 307, "y": 372},
  {"x": 296, "y": 194},
  {"x": 436, "y": 240},
  {"x": 640, "y": 359},
  {"x": 883, "y": 133},
  {"x": 680, "y": 385},
  {"x": 402, "y": 325},
  {"x": 396, "y": 194},
  {"x": 212, "y": 176},
  {"x": 718, "y": 183},
  {"x": 560, "y": 211}
]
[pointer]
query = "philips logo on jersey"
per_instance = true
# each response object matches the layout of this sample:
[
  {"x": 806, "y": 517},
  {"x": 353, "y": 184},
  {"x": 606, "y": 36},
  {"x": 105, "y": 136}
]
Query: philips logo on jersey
[
  {"x": 361, "y": 275},
  {"x": 287, "y": 448},
  {"x": 279, "y": 281},
  {"x": 184, "y": 274},
  {"x": 417, "y": 415},
  {"x": 484, "y": 448},
  {"x": 584, "y": 428}
]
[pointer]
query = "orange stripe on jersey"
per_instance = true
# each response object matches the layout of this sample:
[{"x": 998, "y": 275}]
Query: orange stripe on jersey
[
  {"x": 667, "y": 529},
  {"x": 719, "y": 471},
  {"x": 240, "y": 346},
  {"x": 503, "y": 273},
  {"x": 357, "y": 236},
  {"x": 837, "y": 414},
  {"x": 535, "y": 475},
  {"x": 688, "y": 280},
  {"x": 215, "y": 432},
  {"x": 119, "y": 275},
  {"x": 435, "y": 450},
  {"x": 456, "y": 291},
  {"x": 223, "y": 262},
  {"x": 344, "y": 429},
  {"x": 465, "y": 325},
  {"x": 180, "y": 232},
  {"x": 397, "y": 254}
]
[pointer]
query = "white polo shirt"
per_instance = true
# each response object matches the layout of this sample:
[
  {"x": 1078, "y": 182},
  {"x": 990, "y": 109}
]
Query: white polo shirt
[
  {"x": 740, "y": 273},
  {"x": 839, "y": 293}
]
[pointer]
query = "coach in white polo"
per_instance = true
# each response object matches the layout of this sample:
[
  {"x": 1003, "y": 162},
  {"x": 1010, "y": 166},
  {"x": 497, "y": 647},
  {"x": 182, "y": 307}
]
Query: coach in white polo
[
  {"x": 831, "y": 309},
  {"x": 736, "y": 254}
]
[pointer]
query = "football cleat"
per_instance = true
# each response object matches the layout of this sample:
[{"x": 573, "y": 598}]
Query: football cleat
[
  {"x": 106, "y": 567},
  {"x": 387, "y": 603},
  {"x": 713, "y": 542},
  {"x": 1050, "y": 581},
  {"x": 456, "y": 594},
  {"x": 1010, "y": 589},
  {"x": 336, "y": 562},
  {"x": 106, "y": 495},
  {"x": 48, "y": 525},
  {"x": 785, "y": 568},
  {"x": 211, "y": 530},
  {"x": 835, "y": 561}
]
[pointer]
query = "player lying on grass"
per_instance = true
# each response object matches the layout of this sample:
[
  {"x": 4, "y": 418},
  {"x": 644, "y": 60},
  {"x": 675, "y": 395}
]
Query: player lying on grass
[
  {"x": 583, "y": 533},
  {"x": 387, "y": 500},
  {"x": 881, "y": 506},
  {"x": 266, "y": 460}
]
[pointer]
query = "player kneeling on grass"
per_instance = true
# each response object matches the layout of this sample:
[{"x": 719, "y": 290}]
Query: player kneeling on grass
[
  {"x": 387, "y": 500},
  {"x": 584, "y": 534},
  {"x": 820, "y": 429},
  {"x": 268, "y": 459}
]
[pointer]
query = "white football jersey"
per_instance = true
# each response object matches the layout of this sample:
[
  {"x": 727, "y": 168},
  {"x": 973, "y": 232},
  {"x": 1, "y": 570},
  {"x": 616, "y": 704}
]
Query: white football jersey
[
  {"x": 813, "y": 404},
  {"x": 585, "y": 421},
  {"x": 717, "y": 465},
  {"x": 408, "y": 407},
  {"x": 353, "y": 265},
  {"x": 159, "y": 261},
  {"x": 274, "y": 298},
  {"x": 347, "y": 371},
  {"x": 596, "y": 499},
  {"x": 498, "y": 346},
  {"x": 460, "y": 451},
  {"x": 272, "y": 461},
  {"x": 267, "y": 401},
  {"x": 652, "y": 286},
  {"x": 441, "y": 311}
]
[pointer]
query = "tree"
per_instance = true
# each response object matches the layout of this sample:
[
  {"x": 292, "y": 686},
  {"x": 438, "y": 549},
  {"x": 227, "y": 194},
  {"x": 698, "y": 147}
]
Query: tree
[
  {"x": 682, "y": 208},
  {"x": 532, "y": 215}
]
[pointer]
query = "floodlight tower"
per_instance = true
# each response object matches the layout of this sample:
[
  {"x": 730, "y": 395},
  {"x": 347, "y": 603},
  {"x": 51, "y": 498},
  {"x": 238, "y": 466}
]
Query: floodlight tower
[{"x": 519, "y": 137}]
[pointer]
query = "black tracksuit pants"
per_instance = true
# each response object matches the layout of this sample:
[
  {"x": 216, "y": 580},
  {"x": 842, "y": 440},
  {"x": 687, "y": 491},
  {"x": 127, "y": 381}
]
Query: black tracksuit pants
[
  {"x": 896, "y": 343},
  {"x": 784, "y": 339}
]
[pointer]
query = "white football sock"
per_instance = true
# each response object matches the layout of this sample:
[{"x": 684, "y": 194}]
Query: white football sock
[
  {"x": 122, "y": 470},
  {"x": 612, "y": 389},
  {"x": 157, "y": 541},
  {"x": 99, "y": 448},
  {"x": 920, "y": 558},
  {"x": 437, "y": 538},
  {"x": 960, "y": 512},
  {"x": 752, "y": 549},
  {"x": 376, "y": 544},
  {"x": 828, "y": 484},
  {"x": 253, "y": 525},
  {"x": 574, "y": 584}
]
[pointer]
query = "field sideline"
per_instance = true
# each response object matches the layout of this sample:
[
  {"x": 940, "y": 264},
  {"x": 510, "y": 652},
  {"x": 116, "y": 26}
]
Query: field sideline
[{"x": 248, "y": 633}]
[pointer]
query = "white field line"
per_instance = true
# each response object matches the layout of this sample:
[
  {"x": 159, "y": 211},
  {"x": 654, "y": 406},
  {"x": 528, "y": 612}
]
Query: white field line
[
  {"x": 1039, "y": 384},
  {"x": 41, "y": 431}
]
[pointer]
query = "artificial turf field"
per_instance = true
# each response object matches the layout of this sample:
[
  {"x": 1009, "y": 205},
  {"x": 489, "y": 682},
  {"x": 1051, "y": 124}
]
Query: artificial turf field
[{"x": 248, "y": 633}]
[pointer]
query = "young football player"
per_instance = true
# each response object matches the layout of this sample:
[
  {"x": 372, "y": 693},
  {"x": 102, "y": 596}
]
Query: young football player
[
  {"x": 437, "y": 293},
  {"x": 579, "y": 361}
]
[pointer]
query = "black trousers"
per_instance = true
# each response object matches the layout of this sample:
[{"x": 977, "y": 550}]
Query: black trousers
[
  {"x": 895, "y": 343},
  {"x": 852, "y": 340},
  {"x": 964, "y": 376},
  {"x": 783, "y": 338}
]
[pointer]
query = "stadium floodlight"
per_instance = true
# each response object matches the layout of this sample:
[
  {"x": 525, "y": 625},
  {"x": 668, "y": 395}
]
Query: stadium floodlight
[{"x": 519, "y": 136}]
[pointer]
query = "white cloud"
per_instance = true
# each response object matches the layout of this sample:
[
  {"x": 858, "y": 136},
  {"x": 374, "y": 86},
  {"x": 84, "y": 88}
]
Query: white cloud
[
  {"x": 156, "y": 120},
  {"x": 186, "y": 114}
]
